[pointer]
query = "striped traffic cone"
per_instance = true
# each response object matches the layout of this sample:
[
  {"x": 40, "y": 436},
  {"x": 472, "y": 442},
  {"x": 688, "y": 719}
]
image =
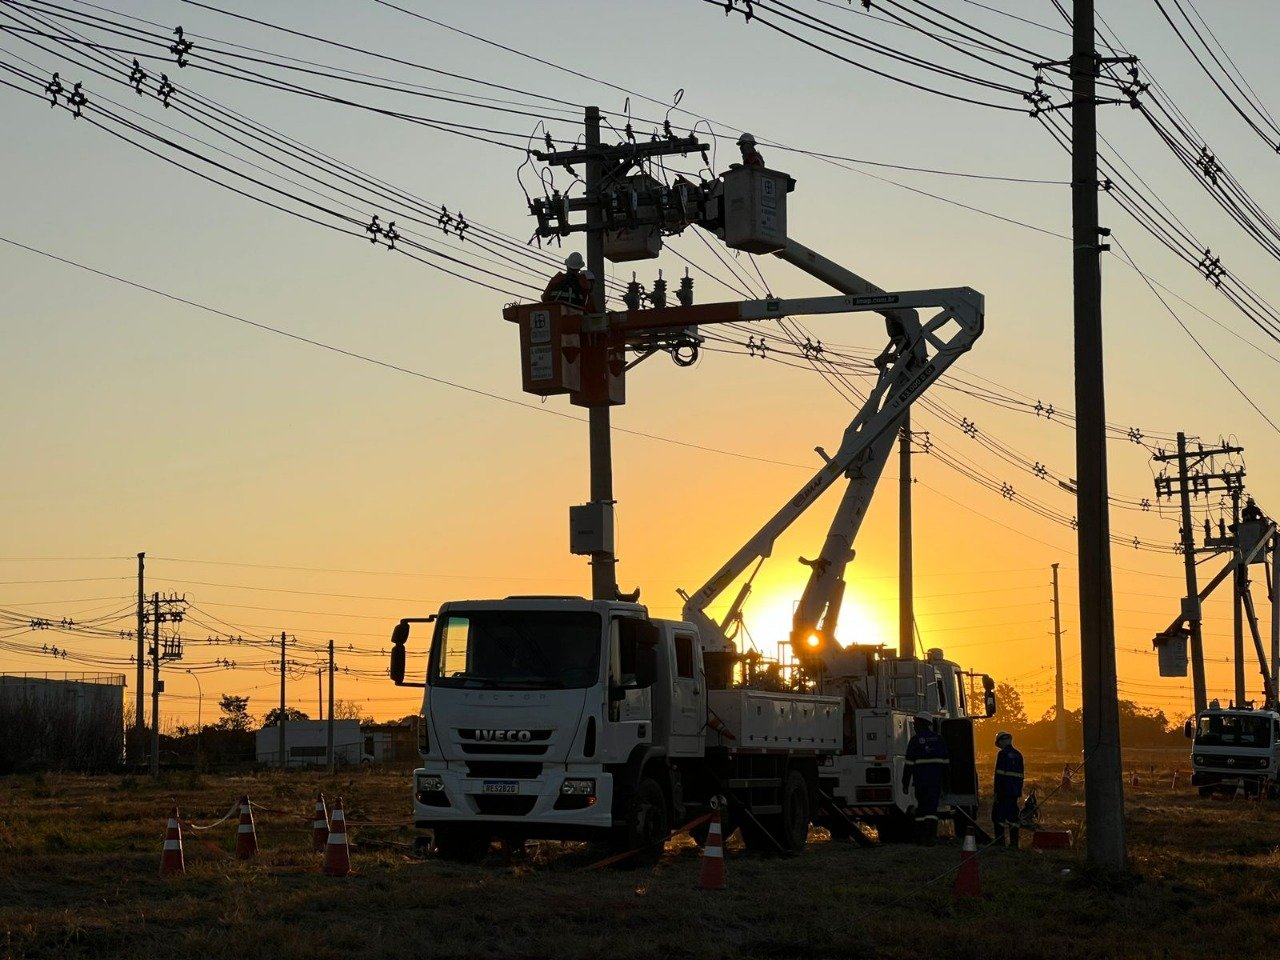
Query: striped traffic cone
[
  {"x": 1066, "y": 777},
  {"x": 246, "y": 839},
  {"x": 967, "y": 883},
  {"x": 171, "y": 859},
  {"x": 337, "y": 857},
  {"x": 712, "y": 876},
  {"x": 320, "y": 826}
]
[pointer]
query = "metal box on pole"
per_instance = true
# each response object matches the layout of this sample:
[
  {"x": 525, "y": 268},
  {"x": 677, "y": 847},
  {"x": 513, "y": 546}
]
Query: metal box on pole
[{"x": 591, "y": 528}]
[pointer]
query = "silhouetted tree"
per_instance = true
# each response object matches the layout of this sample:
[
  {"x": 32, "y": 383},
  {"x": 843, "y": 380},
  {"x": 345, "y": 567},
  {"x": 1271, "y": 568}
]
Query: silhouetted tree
[
  {"x": 290, "y": 713},
  {"x": 235, "y": 713}
]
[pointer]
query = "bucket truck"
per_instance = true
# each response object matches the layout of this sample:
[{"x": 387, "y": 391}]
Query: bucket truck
[{"x": 566, "y": 718}]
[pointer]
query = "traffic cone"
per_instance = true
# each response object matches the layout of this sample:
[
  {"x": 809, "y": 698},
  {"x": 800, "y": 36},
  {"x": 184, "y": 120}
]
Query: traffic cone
[
  {"x": 1133, "y": 778},
  {"x": 1066, "y": 777},
  {"x": 712, "y": 875},
  {"x": 337, "y": 858},
  {"x": 967, "y": 883},
  {"x": 1239, "y": 794},
  {"x": 246, "y": 839},
  {"x": 171, "y": 859},
  {"x": 320, "y": 826}
]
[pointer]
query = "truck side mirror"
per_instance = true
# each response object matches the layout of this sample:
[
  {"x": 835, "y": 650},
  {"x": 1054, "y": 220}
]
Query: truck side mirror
[
  {"x": 399, "y": 636},
  {"x": 646, "y": 664},
  {"x": 1189, "y": 729},
  {"x": 988, "y": 696},
  {"x": 638, "y": 652}
]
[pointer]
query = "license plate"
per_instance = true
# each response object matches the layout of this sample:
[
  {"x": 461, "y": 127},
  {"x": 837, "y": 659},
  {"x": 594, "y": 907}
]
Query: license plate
[{"x": 500, "y": 786}]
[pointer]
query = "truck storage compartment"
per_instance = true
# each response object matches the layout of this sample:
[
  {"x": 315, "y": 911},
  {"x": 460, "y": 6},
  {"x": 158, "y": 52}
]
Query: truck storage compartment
[{"x": 754, "y": 720}]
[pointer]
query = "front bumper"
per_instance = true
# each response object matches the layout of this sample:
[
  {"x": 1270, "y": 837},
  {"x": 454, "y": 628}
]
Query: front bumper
[{"x": 524, "y": 806}]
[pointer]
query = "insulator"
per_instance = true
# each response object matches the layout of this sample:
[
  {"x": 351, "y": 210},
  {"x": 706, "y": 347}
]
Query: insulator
[
  {"x": 685, "y": 293},
  {"x": 658, "y": 296},
  {"x": 633, "y": 295}
]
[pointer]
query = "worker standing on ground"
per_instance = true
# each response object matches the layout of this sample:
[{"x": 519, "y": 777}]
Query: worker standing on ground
[
  {"x": 750, "y": 155},
  {"x": 572, "y": 285},
  {"x": 927, "y": 765},
  {"x": 1008, "y": 788}
]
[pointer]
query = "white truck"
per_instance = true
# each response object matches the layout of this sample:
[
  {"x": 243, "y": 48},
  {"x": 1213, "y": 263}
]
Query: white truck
[
  {"x": 560, "y": 717},
  {"x": 1235, "y": 747}
]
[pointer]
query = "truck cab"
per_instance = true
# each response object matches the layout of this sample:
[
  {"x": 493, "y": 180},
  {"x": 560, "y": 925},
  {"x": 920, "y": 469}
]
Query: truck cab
[{"x": 1234, "y": 747}]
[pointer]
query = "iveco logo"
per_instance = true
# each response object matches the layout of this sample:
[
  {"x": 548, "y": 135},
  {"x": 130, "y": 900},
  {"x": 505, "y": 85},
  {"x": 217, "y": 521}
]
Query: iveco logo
[
  {"x": 1231, "y": 761},
  {"x": 505, "y": 736}
]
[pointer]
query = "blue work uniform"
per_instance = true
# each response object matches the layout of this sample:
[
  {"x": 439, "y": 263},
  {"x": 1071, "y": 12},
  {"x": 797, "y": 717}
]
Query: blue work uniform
[
  {"x": 927, "y": 766},
  {"x": 1008, "y": 788}
]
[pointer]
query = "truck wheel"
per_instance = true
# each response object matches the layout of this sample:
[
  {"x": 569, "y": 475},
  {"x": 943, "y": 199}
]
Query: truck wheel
[
  {"x": 647, "y": 824},
  {"x": 461, "y": 844},
  {"x": 792, "y": 827}
]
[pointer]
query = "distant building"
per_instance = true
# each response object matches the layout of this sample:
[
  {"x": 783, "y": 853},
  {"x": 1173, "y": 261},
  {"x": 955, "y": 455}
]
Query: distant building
[
  {"x": 306, "y": 743},
  {"x": 61, "y": 721}
]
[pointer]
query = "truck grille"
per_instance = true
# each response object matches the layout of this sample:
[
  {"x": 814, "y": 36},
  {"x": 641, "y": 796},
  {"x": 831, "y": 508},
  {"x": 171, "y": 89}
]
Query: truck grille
[
  {"x": 510, "y": 749},
  {"x": 492, "y": 806},
  {"x": 504, "y": 769}
]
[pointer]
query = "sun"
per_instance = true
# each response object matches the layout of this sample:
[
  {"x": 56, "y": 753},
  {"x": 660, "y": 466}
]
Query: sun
[{"x": 768, "y": 622}]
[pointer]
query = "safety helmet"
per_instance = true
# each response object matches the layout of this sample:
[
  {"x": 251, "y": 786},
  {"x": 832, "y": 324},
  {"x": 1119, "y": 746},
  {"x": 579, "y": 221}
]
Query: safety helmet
[
  {"x": 1004, "y": 736},
  {"x": 746, "y": 140},
  {"x": 924, "y": 717},
  {"x": 574, "y": 261}
]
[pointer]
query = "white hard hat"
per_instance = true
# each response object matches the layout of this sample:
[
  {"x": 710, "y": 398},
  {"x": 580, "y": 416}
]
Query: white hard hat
[
  {"x": 746, "y": 140},
  {"x": 924, "y": 717},
  {"x": 1004, "y": 735},
  {"x": 574, "y": 261}
]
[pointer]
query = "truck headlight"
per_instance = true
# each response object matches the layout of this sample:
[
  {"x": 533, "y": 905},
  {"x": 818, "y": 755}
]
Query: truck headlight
[
  {"x": 578, "y": 788},
  {"x": 1199, "y": 760},
  {"x": 431, "y": 784}
]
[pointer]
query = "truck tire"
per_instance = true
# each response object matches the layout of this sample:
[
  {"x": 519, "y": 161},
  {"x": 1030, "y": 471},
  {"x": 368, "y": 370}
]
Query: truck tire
[
  {"x": 461, "y": 844},
  {"x": 648, "y": 825},
  {"x": 792, "y": 826}
]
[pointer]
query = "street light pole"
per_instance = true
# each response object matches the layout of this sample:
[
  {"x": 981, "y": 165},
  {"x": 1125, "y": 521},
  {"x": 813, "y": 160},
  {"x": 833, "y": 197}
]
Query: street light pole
[{"x": 199, "y": 711}]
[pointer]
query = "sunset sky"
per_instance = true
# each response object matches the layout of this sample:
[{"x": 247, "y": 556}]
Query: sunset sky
[{"x": 327, "y": 486}]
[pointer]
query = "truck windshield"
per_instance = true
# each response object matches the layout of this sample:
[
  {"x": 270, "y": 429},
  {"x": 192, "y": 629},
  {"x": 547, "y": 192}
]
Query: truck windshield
[
  {"x": 1235, "y": 730},
  {"x": 517, "y": 650}
]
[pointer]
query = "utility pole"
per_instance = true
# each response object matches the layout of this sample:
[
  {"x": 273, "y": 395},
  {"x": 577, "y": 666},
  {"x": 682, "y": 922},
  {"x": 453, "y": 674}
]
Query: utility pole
[
  {"x": 333, "y": 761},
  {"x": 1060, "y": 716},
  {"x": 140, "y": 725},
  {"x": 1240, "y": 582},
  {"x": 281, "y": 716},
  {"x": 320, "y": 692},
  {"x": 172, "y": 650},
  {"x": 906, "y": 579},
  {"x": 1188, "y": 483},
  {"x": 604, "y": 583},
  {"x": 1104, "y": 789}
]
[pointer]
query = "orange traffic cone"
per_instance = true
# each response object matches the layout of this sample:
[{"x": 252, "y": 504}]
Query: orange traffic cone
[
  {"x": 1239, "y": 794},
  {"x": 337, "y": 858},
  {"x": 246, "y": 839},
  {"x": 967, "y": 883},
  {"x": 1066, "y": 777},
  {"x": 1133, "y": 779},
  {"x": 171, "y": 858},
  {"x": 320, "y": 826},
  {"x": 712, "y": 875}
]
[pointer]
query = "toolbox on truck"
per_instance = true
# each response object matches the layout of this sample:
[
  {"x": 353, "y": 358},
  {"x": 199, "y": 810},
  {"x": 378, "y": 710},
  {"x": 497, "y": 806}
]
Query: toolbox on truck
[{"x": 757, "y": 720}]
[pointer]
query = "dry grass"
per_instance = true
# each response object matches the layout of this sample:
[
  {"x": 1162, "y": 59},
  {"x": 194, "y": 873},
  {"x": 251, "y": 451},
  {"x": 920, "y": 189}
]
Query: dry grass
[{"x": 81, "y": 858}]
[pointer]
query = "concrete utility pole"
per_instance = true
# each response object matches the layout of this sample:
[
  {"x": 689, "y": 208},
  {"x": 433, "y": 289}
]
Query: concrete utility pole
[
  {"x": 333, "y": 761},
  {"x": 155, "y": 685},
  {"x": 1104, "y": 788},
  {"x": 1197, "y": 483},
  {"x": 1060, "y": 725},
  {"x": 281, "y": 717},
  {"x": 906, "y": 578},
  {"x": 604, "y": 582},
  {"x": 140, "y": 725},
  {"x": 1241, "y": 583}
]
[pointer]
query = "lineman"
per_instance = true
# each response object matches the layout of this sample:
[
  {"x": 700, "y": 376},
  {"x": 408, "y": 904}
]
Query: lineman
[
  {"x": 750, "y": 155},
  {"x": 927, "y": 765},
  {"x": 572, "y": 285},
  {"x": 1008, "y": 788}
]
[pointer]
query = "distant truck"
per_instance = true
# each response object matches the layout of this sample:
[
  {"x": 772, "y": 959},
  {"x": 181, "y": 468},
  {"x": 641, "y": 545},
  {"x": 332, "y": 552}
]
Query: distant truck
[
  {"x": 306, "y": 743},
  {"x": 1235, "y": 747}
]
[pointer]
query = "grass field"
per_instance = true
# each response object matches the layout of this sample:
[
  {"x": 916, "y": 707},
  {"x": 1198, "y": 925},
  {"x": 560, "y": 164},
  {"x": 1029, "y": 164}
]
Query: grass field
[{"x": 80, "y": 859}]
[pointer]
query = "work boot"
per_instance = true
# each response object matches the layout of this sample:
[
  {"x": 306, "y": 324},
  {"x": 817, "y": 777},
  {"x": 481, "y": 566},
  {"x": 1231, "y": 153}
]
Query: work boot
[
  {"x": 1013, "y": 838},
  {"x": 930, "y": 833}
]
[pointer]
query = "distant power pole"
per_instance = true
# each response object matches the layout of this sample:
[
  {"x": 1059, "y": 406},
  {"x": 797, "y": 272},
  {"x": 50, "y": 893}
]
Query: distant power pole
[
  {"x": 140, "y": 725},
  {"x": 1104, "y": 787},
  {"x": 281, "y": 717},
  {"x": 1194, "y": 481},
  {"x": 1060, "y": 726},
  {"x": 333, "y": 761},
  {"x": 173, "y": 612},
  {"x": 906, "y": 577}
]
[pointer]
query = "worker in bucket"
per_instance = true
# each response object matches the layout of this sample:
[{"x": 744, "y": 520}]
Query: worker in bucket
[
  {"x": 1008, "y": 788},
  {"x": 750, "y": 155},
  {"x": 927, "y": 766},
  {"x": 572, "y": 285}
]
